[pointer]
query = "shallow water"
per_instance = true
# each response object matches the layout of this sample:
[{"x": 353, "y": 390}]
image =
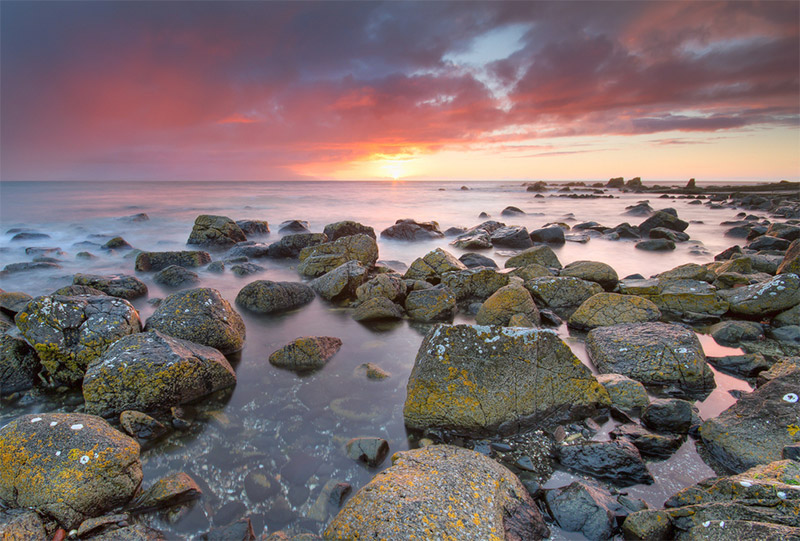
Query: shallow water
[{"x": 294, "y": 427}]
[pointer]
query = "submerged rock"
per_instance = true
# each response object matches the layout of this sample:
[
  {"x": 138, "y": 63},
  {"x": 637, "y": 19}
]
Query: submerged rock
[
  {"x": 265, "y": 297},
  {"x": 548, "y": 235},
  {"x": 174, "y": 489},
  {"x": 440, "y": 492},
  {"x": 512, "y": 236},
  {"x": 151, "y": 371},
  {"x": 155, "y": 261},
  {"x": 294, "y": 226},
  {"x": 306, "y": 353},
  {"x": 67, "y": 465},
  {"x": 253, "y": 227},
  {"x": 371, "y": 451},
  {"x": 117, "y": 285},
  {"x": 480, "y": 379}
]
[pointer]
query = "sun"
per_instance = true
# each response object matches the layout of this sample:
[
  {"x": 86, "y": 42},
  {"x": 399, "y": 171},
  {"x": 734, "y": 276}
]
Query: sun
[{"x": 393, "y": 169}]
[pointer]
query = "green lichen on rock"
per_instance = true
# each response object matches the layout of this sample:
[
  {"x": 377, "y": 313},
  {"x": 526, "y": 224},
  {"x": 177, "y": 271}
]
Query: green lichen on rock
[
  {"x": 770, "y": 297},
  {"x": 377, "y": 308},
  {"x": 540, "y": 255},
  {"x": 433, "y": 265},
  {"x": 563, "y": 294},
  {"x": 67, "y": 465},
  {"x": 688, "y": 271},
  {"x": 389, "y": 286},
  {"x": 791, "y": 260},
  {"x": 625, "y": 393},
  {"x": 592, "y": 271},
  {"x": 201, "y": 316},
  {"x": 505, "y": 303},
  {"x": 686, "y": 297},
  {"x": 69, "y": 333},
  {"x": 474, "y": 283},
  {"x": 306, "y": 353},
  {"x": 266, "y": 297},
  {"x": 342, "y": 282},
  {"x": 480, "y": 379},
  {"x": 432, "y": 304},
  {"x": 155, "y": 261},
  {"x": 317, "y": 260},
  {"x": 151, "y": 371},
  {"x": 440, "y": 492},
  {"x": 219, "y": 231},
  {"x": 606, "y": 309}
]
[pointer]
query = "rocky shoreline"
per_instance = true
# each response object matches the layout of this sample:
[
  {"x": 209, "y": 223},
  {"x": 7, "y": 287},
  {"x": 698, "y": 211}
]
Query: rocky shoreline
[{"x": 492, "y": 405}]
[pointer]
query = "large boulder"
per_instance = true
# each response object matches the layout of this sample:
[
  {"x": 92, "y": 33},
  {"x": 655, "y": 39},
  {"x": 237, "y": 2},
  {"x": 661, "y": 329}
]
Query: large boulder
[
  {"x": 201, "y": 316},
  {"x": 765, "y": 298},
  {"x": 512, "y": 236},
  {"x": 346, "y": 228},
  {"x": 211, "y": 230},
  {"x": 19, "y": 363},
  {"x": 440, "y": 492},
  {"x": 265, "y": 297},
  {"x": 306, "y": 353},
  {"x": 432, "y": 304},
  {"x": 563, "y": 294},
  {"x": 592, "y": 271},
  {"x": 505, "y": 303},
  {"x": 291, "y": 245},
  {"x": 67, "y": 465},
  {"x": 476, "y": 380},
  {"x": 540, "y": 255},
  {"x": 474, "y": 283},
  {"x": 342, "y": 282},
  {"x": 118, "y": 285},
  {"x": 388, "y": 286},
  {"x": 156, "y": 261},
  {"x": 791, "y": 260},
  {"x": 150, "y": 371},
  {"x": 657, "y": 354},
  {"x": 606, "y": 309},
  {"x": 68, "y": 333},
  {"x": 433, "y": 265},
  {"x": 317, "y": 260},
  {"x": 411, "y": 230},
  {"x": 758, "y": 426}
]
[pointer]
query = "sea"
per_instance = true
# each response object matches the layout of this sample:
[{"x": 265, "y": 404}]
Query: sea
[{"x": 292, "y": 428}]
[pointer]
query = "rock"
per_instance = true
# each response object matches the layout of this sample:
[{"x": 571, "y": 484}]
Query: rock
[
  {"x": 474, "y": 283},
  {"x": 765, "y": 298},
  {"x": 688, "y": 271},
  {"x": 580, "y": 507},
  {"x": 647, "y": 525},
  {"x": 29, "y": 235},
  {"x": 617, "y": 461},
  {"x": 784, "y": 231},
  {"x": 67, "y": 465},
  {"x": 439, "y": 483},
  {"x": 100, "y": 526},
  {"x": 150, "y": 371},
  {"x": 388, "y": 286},
  {"x": 539, "y": 255},
  {"x": 787, "y": 317},
  {"x": 592, "y": 271},
  {"x": 746, "y": 366},
  {"x": 529, "y": 272},
  {"x": 240, "y": 530},
  {"x": 69, "y": 333},
  {"x": 471, "y": 261},
  {"x": 562, "y": 294},
  {"x": 655, "y": 245},
  {"x": 21, "y": 525},
  {"x": 201, "y": 316},
  {"x": 433, "y": 265},
  {"x": 512, "y": 211},
  {"x": 19, "y": 364},
  {"x": 605, "y": 309},
  {"x": 156, "y": 261},
  {"x": 259, "y": 486},
  {"x": 306, "y": 353},
  {"x": 506, "y": 302},
  {"x": 140, "y": 425},
  {"x": 73, "y": 290},
  {"x": 682, "y": 298},
  {"x": 12, "y": 302},
  {"x": 13, "y": 268},
  {"x": 791, "y": 260},
  {"x": 624, "y": 392},
  {"x": 757, "y": 427},
  {"x": 410, "y": 230},
  {"x": 176, "y": 276},
  {"x": 668, "y": 415},
  {"x": 766, "y": 242},
  {"x": 117, "y": 243},
  {"x": 789, "y": 334},
  {"x": 329, "y": 499},
  {"x": 658, "y": 354},
  {"x": 347, "y": 228},
  {"x": 291, "y": 245},
  {"x": 476, "y": 240},
  {"x": 294, "y": 226},
  {"x": 791, "y": 451},
  {"x": 372, "y": 371},
  {"x": 117, "y": 285},
  {"x": 478, "y": 380},
  {"x": 730, "y": 333},
  {"x": 317, "y": 260},
  {"x": 648, "y": 443},
  {"x": 514, "y": 236},
  {"x": 342, "y": 282},
  {"x": 371, "y": 451},
  {"x": 265, "y": 297},
  {"x": 664, "y": 233},
  {"x": 246, "y": 269},
  {"x": 253, "y": 227},
  {"x": 549, "y": 235},
  {"x": 662, "y": 219},
  {"x": 377, "y": 308},
  {"x": 248, "y": 249},
  {"x": 169, "y": 491},
  {"x": 434, "y": 304}
]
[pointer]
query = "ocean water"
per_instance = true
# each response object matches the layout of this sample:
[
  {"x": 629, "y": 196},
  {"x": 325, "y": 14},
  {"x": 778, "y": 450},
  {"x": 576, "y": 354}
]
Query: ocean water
[{"x": 293, "y": 428}]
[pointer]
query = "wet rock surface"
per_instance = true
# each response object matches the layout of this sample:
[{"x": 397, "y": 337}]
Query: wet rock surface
[
  {"x": 266, "y": 297},
  {"x": 215, "y": 231},
  {"x": 118, "y": 285},
  {"x": 156, "y": 261},
  {"x": 307, "y": 353},
  {"x": 617, "y": 461},
  {"x": 606, "y": 309}
]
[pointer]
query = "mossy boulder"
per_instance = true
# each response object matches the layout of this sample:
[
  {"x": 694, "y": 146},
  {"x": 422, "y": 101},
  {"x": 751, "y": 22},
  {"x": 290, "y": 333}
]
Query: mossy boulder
[
  {"x": 473, "y": 240},
  {"x": 317, "y": 260},
  {"x": 19, "y": 363},
  {"x": 474, "y": 283},
  {"x": 529, "y": 272},
  {"x": 540, "y": 255},
  {"x": 342, "y": 282},
  {"x": 791, "y": 260},
  {"x": 291, "y": 245},
  {"x": 440, "y": 492},
  {"x": 12, "y": 302},
  {"x": 388, "y": 286},
  {"x": 174, "y": 489},
  {"x": 758, "y": 426},
  {"x": 176, "y": 276},
  {"x": 474, "y": 379},
  {"x": 411, "y": 230},
  {"x": 266, "y": 297},
  {"x": 433, "y": 265},
  {"x": 564, "y": 294},
  {"x": 253, "y": 227},
  {"x": 505, "y": 303},
  {"x": 69, "y": 333},
  {"x": 22, "y": 525},
  {"x": 432, "y": 304},
  {"x": 658, "y": 354},
  {"x": 347, "y": 228},
  {"x": 306, "y": 353},
  {"x": 377, "y": 308},
  {"x": 765, "y": 298},
  {"x": 151, "y": 371},
  {"x": 606, "y": 309},
  {"x": 218, "y": 231},
  {"x": 69, "y": 466},
  {"x": 73, "y": 290},
  {"x": 685, "y": 298},
  {"x": 688, "y": 271},
  {"x": 625, "y": 393},
  {"x": 592, "y": 271},
  {"x": 201, "y": 316},
  {"x": 155, "y": 261},
  {"x": 117, "y": 285}
]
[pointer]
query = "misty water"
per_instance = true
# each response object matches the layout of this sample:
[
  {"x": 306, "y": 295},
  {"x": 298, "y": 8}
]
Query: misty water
[{"x": 293, "y": 428}]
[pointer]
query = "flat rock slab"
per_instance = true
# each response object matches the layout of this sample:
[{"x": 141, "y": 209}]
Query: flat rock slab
[
  {"x": 770, "y": 297},
  {"x": 605, "y": 309},
  {"x": 156, "y": 261},
  {"x": 440, "y": 492},
  {"x": 479, "y": 379},
  {"x": 617, "y": 461},
  {"x": 67, "y": 465}
]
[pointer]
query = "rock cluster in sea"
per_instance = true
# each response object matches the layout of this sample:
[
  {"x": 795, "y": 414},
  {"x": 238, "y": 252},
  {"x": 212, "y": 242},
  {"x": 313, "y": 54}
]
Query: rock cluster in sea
[{"x": 492, "y": 406}]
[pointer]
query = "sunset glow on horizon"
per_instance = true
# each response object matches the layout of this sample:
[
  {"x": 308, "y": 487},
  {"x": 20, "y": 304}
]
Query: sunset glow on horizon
[{"x": 399, "y": 91}]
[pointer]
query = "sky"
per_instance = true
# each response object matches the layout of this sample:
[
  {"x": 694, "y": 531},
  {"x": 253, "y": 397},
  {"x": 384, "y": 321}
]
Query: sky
[{"x": 190, "y": 90}]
